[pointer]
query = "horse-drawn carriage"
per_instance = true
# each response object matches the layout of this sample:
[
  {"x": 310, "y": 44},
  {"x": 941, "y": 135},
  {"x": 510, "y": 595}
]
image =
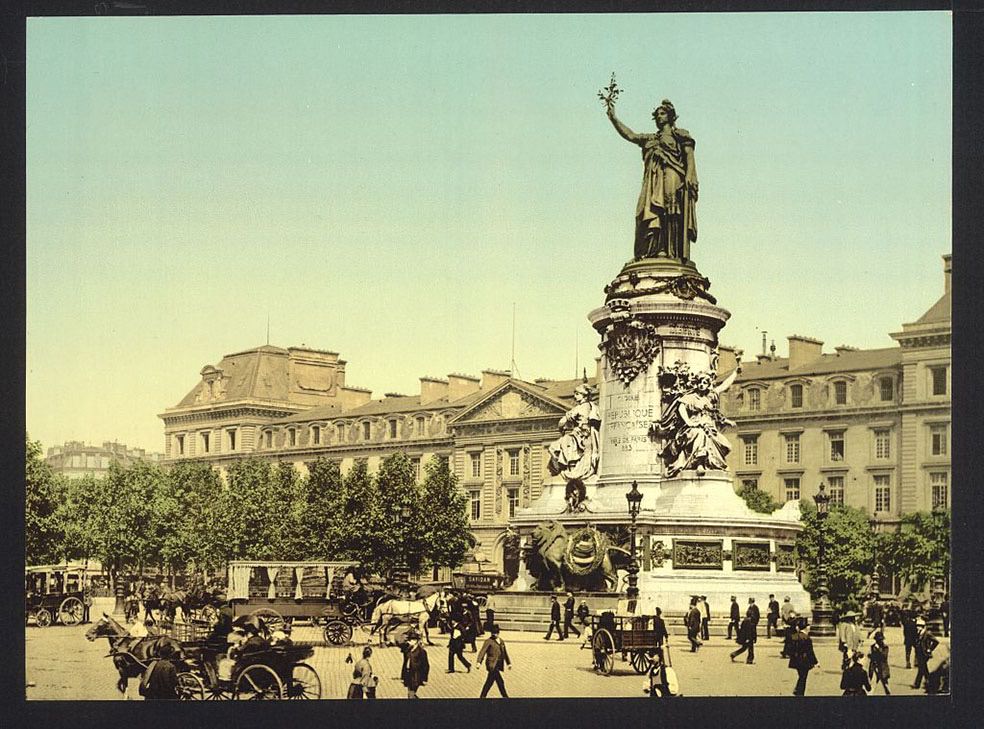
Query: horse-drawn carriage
[
  {"x": 55, "y": 594},
  {"x": 279, "y": 592}
]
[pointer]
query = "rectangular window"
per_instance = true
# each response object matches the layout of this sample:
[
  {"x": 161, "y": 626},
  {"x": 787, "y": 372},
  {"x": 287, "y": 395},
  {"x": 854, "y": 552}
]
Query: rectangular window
[
  {"x": 750, "y": 450},
  {"x": 340, "y": 432},
  {"x": 883, "y": 444},
  {"x": 366, "y": 431},
  {"x": 938, "y": 439},
  {"x": 840, "y": 392},
  {"x": 796, "y": 395},
  {"x": 181, "y": 445},
  {"x": 513, "y": 495},
  {"x": 792, "y": 488},
  {"x": 392, "y": 428},
  {"x": 837, "y": 446},
  {"x": 887, "y": 388},
  {"x": 269, "y": 438},
  {"x": 421, "y": 427},
  {"x": 205, "y": 438},
  {"x": 883, "y": 493},
  {"x": 292, "y": 437},
  {"x": 416, "y": 468},
  {"x": 939, "y": 380},
  {"x": 836, "y": 485},
  {"x": 316, "y": 434},
  {"x": 939, "y": 483},
  {"x": 476, "y": 465},
  {"x": 792, "y": 448},
  {"x": 475, "y": 499},
  {"x": 749, "y": 483},
  {"x": 754, "y": 399},
  {"x": 232, "y": 440},
  {"x": 513, "y": 463}
]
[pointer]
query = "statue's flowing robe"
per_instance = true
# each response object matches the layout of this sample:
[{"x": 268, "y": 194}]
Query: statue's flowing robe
[
  {"x": 575, "y": 454},
  {"x": 664, "y": 194},
  {"x": 698, "y": 443}
]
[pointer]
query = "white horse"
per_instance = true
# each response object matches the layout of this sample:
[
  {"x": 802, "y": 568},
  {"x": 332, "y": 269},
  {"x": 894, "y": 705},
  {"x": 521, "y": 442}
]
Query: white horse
[{"x": 403, "y": 611}]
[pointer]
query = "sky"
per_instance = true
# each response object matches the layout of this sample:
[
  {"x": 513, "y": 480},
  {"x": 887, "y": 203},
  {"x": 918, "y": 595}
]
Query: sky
[{"x": 391, "y": 187}]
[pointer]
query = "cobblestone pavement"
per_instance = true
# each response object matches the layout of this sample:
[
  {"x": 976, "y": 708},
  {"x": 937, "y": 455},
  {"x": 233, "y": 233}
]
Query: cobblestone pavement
[{"x": 61, "y": 664}]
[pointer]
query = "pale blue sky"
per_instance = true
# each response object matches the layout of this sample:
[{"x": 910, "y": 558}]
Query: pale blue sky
[{"x": 387, "y": 187}]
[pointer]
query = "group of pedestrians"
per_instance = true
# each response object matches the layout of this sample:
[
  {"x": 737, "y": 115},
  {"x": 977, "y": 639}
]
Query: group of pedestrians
[{"x": 569, "y": 612}]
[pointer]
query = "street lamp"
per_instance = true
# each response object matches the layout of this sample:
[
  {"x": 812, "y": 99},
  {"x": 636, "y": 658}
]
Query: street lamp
[
  {"x": 634, "y": 498},
  {"x": 823, "y": 624}
]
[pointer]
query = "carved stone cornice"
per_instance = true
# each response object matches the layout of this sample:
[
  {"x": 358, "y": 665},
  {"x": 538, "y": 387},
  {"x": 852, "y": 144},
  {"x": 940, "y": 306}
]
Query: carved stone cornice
[{"x": 683, "y": 286}]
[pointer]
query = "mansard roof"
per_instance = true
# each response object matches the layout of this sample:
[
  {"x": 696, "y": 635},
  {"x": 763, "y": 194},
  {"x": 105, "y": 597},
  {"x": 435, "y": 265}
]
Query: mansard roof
[
  {"x": 938, "y": 312},
  {"x": 253, "y": 374},
  {"x": 825, "y": 364}
]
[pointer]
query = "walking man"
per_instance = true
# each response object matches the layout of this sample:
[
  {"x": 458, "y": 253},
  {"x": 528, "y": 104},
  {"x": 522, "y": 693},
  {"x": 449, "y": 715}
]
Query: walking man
[
  {"x": 692, "y": 621},
  {"x": 456, "y": 648},
  {"x": 909, "y": 635},
  {"x": 735, "y": 617},
  {"x": 925, "y": 642},
  {"x": 772, "y": 617},
  {"x": 878, "y": 661},
  {"x": 554, "y": 619},
  {"x": 569, "y": 616},
  {"x": 705, "y": 618},
  {"x": 416, "y": 667},
  {"x": 495, "y": 655},
  {"x": 802, "y": 658},
  {"x": 748, "y": 633}
]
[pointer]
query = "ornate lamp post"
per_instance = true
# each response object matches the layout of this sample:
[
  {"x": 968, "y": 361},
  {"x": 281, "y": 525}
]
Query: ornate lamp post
[
  {"x": 823, "y": 624},
  {"x": 634, "y": 498}
]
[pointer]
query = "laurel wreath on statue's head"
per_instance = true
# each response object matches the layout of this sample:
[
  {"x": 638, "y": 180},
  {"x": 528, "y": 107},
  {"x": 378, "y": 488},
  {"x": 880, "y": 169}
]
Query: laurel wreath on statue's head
[{"x": 582, "y": 559}]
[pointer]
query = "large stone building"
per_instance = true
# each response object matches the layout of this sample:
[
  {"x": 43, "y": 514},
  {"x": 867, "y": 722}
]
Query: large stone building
[
  {"x": 75, "y": 459},
  {"x": 873, "y": 424}
]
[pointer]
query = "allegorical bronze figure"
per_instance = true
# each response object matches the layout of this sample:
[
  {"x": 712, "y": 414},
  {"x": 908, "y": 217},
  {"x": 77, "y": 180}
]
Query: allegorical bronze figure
[{"x": 666, "y": 223}]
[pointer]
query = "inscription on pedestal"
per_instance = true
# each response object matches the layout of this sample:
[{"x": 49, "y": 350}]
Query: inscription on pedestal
[{"x": 627, "y": 411}]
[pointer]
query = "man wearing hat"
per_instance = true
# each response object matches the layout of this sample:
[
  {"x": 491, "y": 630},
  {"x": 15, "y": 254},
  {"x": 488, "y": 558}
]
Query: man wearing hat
[
  {"x": 848, "y": 637},
  {"x": 735, "y": 617},
  {"x": 878, "y": 661},
  {"x": 705, "y": 618},
  {"x": 569, "y": 616},
  {"x": 496, "y": 658},
  {"x": 925, "y": 642},
  {"x": 554, "y": 619},
  {"x": 799, "y": 648},
  {"x": 161, "y": 682},
  {"x": 772, "y": 617},
  {"x": 416, "y": 667}
]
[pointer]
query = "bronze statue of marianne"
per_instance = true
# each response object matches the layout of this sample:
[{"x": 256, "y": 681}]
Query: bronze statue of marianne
[{"x": 666, "y": 223}]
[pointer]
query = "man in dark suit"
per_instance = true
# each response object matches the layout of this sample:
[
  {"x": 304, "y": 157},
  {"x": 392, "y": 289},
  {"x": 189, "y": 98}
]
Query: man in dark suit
[
  {"x": 495, "y": 655},
  {"x": 772, "y": 617},
  {"x": 802, "y": 658},
  {"x": 705, "y": 618},
  {"x": 569, "y": 616},
  {"x": 735, "y": 617},
  {"x": 944, "y": 614},
  {"x": 416, "y": 667},
  {"x": 692, "y": 621},
  {"x": 554, "y": 619},
  {"x": 748, "y": 632}
]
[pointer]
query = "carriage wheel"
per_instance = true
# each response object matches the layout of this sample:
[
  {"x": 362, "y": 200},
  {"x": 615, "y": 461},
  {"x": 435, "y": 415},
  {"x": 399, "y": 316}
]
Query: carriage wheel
[
  {"x": 42, "y": 617},
  {"x": 604, "y": 651},
  {"x": 258, "y": 682},
  {"x": 273, "y": 619},
  {"x": 305, "y": 683},
  {"x": 190, "y": 687},
  {"x": 640, "y": 661},
  {"x": 338, "y": 632},
  {"x": 71, "y": 610}
]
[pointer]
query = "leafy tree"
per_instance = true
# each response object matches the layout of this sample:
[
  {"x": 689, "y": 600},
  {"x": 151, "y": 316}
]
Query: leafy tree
[
  {"x": 77, "y": 510},
  {"x": 400, "y": 530},
  {"x": 284, "y": 512},
  {"x": 123, "y": 516},
  {"x": 849, "y": 553},
  {"x": 758, "y": 500},
  {"x": 197, "y": 528},
  {"x": 447, "y": 535},
  {"x": 360, "y": 520},
  {"x": 248, "y": 509},
  {"x": 42, "y": 533},
  {"x": 322, "y": 505},
  {"x": 920, "y": 549}
]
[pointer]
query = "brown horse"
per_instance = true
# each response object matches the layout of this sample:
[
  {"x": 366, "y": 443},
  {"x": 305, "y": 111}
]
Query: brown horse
[{"x": 130, "y": 654}]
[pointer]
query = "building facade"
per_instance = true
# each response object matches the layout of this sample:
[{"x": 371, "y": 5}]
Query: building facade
[
  {"x": 75, "y": 459},
  {"x": 874, "y": 425}
]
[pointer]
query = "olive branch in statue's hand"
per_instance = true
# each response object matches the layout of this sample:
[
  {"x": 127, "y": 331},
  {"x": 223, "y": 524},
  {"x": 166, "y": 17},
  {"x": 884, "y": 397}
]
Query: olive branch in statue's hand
[{"x": 610, "y": 93}]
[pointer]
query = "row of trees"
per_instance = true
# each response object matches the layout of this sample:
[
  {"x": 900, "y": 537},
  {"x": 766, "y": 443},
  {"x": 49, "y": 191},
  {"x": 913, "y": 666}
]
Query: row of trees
[
  {"x": 916, "y": 553},
  {"x": 187, "y": 515}
]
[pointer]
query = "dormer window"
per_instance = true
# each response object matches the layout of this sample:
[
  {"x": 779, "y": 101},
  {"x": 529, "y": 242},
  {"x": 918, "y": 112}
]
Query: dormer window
[
  {"x": 796, "y": 396},
  {"x": 840, "y": 392},
  {"x": 754, "y": 399}
]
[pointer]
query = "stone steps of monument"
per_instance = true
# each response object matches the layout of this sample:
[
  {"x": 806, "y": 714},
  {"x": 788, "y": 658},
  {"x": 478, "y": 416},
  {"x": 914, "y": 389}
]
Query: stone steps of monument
[{"x": 537, "y": 619}]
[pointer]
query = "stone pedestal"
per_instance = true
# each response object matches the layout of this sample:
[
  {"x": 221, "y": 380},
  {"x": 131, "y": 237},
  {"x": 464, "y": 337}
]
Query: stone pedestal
[{"x": 697, "y": 535}]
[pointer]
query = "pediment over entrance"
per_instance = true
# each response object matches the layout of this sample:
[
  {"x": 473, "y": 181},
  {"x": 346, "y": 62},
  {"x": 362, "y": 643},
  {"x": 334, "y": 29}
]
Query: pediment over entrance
[{"x": 511, "y": 401}]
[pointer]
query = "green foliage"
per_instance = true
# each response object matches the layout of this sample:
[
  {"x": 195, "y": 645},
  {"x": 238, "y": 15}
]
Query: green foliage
[
  {"x": 79, "y": 500},
  {"x": 123, "y": 516},
  {"x": 43, "y": 535},
  {"x": 321, "y": 505},
  {"x": 758, "y": 500},
  {"x": 197, "y": 526},
  {"x": 447, "y": 535},
  {"x": 360, "y": 517},
  {"x": 249, "y": 509},
  {"x": 920, "y": 550},
  {"x": 399, "y": 530},
  {"x": 850, "y": 545}
]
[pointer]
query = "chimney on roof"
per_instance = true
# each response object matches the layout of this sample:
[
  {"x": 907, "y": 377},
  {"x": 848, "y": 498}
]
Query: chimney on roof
[
  {"x": 803, "y": 350},
  {"x": 353, "y": 397},
  {"x": 432, "y": 389},
  {"x": 491, "y": 379},
  {"x": 460, "y": 386},
  {"x": 947, "y": 268},
  {"x": 843, "y": 349},
  {"x": 390, "y": 395}
]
